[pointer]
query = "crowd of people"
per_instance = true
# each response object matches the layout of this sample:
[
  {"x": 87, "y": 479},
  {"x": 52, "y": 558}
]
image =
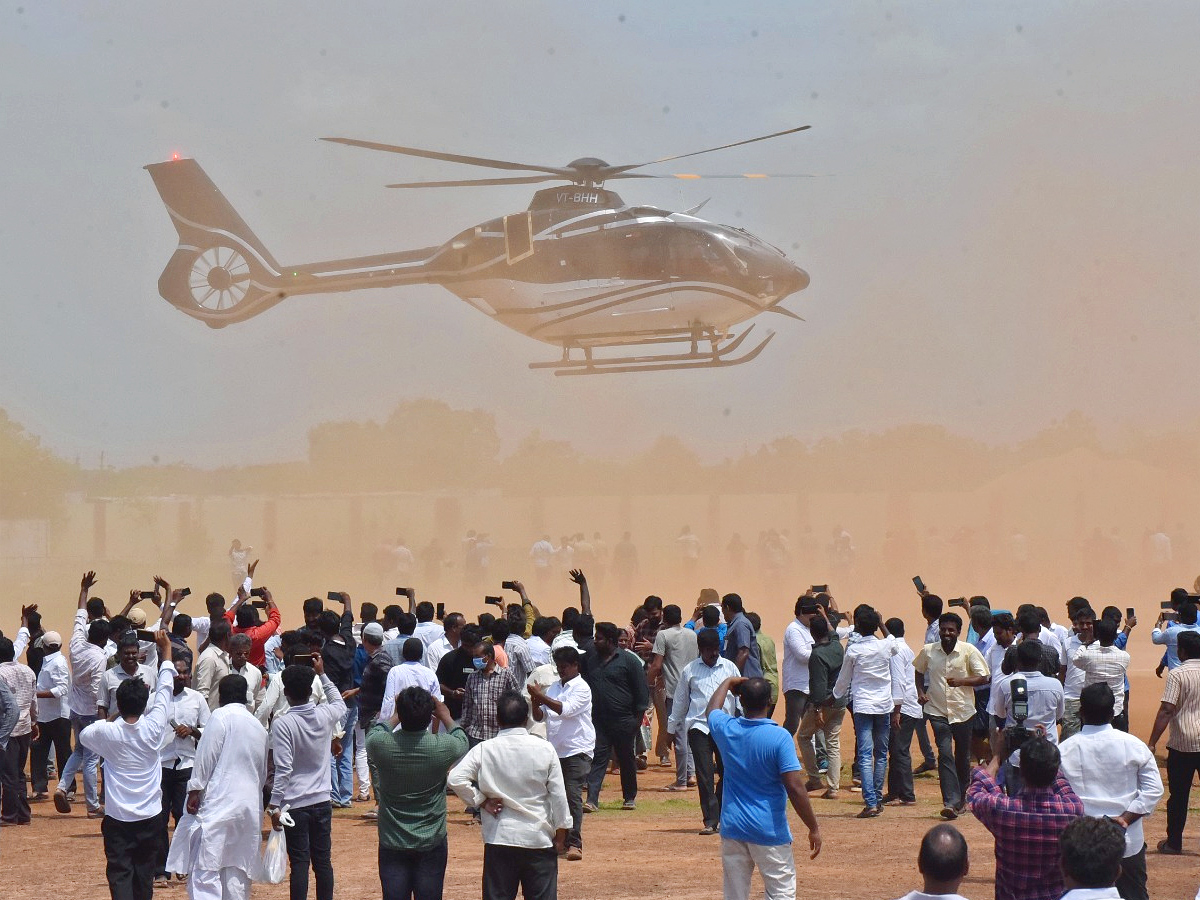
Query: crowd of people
[{"x": 210, "y": 723}]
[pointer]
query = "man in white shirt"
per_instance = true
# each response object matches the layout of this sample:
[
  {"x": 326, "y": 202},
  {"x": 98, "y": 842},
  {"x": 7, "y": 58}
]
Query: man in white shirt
[
  {"x": 130, "y": 745},
  {"x": 545, "y": 629},
  {"x": 1090, "y": 858},
  {"x": 797, "y": 650},
  {"x": 1084, "y": 620},
  {"x": 239, "y": 664},
  {"x": 88, "y": 662},
  {"x": 900, "y": 787},
  {"x": 54, "y": 714},
  {"x": 943, "y": 863},
  {"x": 225, "y": 794},
  {"x": 189, "y": 714},
  {"x": 428, "y": 630},
  {"x": 128, "y": 653},
  {"x": 867, "y": 676},
  {"x": 1045, "y": 705},
  {"x": 20, "y": 680},
  {"x": 516, "y": 780},
  {"x": 542, "y": 555},
  {"x": 698, "y": 682},
  {"x": 453, "y": 625},
  {"x": 1115, "y": 775},
  {"x": 410, "y": 673},
  {"x": 566, "y": 708}
]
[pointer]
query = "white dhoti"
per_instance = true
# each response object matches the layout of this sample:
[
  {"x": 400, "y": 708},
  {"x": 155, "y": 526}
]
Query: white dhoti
[{"x": 227, "y": 884}]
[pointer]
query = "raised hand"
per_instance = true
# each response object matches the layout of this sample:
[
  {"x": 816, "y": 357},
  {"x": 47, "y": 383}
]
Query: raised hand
[{"x": 578, "y": 577}]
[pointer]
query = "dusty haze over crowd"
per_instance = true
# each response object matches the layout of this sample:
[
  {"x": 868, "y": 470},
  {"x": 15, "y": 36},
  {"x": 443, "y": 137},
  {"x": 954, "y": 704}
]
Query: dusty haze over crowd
[{"x": 1001, "y": 234}]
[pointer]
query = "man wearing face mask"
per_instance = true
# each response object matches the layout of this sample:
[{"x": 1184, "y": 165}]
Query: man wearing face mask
[
  {"x": 483, "y": 689},
  {"x": 189, "y": 715}
]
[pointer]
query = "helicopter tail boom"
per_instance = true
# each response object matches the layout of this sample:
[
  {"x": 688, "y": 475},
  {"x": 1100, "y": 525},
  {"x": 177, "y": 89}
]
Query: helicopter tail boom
[{"x": 220, "y": 272}]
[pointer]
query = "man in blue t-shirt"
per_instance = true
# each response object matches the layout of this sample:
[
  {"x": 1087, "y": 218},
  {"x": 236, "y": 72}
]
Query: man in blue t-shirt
[{"x": 762, "y": 773}]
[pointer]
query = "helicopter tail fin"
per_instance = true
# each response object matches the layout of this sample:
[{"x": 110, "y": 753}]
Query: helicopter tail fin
[{"x": 220, "y": 273}]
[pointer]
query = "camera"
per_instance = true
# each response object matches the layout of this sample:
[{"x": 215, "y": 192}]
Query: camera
[
  {"x": 148, "y": 595},
  {"x": 494, "y": 601},
  {"x": 183, "y": 592},
  {"x": 1016, "y": 735},
  {"x": 334, "y": 596},
  {"x": 919, "y": 584},
  {"x": 405, "y": 592},
  {"x": 958, "y": 601},
  {"x": 258, "y": 592},
  {"x": 508, "y": 585}
]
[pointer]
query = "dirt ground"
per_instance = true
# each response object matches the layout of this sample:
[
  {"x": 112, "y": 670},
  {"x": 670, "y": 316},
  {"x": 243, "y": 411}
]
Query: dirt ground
[{"x": 651, "y": 852}]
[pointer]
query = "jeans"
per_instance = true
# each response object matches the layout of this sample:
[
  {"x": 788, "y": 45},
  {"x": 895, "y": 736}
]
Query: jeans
[
  {"x": 412, "y": 874},
  {"x": 614, "y": 738},
  {"x": 14, "y": 802},
  {"x": 776, "y": 865},
  {"x": 57, "y": 734},
  {"x": 84, "y": 759},
  {"x": 709, "y": 774},
  {"x": 871, "y": 733},
  {"x": 900, "y": 772},
  {"x": 823, "y": 724},
  {"x": 954, "y": 763},
  {"x": 685, "y": 768},
  {"x": 534, "y": 871},
  {"x": 310, "y": 841},
  {"x": 575, "y": 771},
  {"x": 341, "y": 767},
  {"x": 131, "y": 849},
  {"x": 174, "y": 795},
  {"x": 1181, "y": 769}
]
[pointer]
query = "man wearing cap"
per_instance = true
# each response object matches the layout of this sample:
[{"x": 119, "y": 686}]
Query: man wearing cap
[{"x": 54, "y": 714}]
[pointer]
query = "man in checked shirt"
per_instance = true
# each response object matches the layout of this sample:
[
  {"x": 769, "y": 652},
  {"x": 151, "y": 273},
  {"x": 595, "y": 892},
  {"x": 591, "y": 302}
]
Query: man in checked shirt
[{"x": 1026, "y": 827}]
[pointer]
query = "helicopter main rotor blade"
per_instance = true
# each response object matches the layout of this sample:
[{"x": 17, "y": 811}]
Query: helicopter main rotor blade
[
  {"x": 766, "y": 137},
  {"x": 451, "y": 157},
  {"x": 690, "y": 176},
  {"x": 478, "y": 182}
]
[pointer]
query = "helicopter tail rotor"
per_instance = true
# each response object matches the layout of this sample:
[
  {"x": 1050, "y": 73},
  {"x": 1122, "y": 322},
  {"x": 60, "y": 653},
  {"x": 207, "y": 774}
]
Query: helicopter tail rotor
[{"x": 220, "y": 272}]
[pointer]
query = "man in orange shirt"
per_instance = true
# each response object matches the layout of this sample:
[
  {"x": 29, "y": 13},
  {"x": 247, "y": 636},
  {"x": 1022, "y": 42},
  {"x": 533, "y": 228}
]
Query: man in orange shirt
[{"x": 244, "y": 619}]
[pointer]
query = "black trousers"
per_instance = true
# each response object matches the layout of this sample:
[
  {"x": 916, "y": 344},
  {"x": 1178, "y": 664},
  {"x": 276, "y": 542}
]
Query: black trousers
[
  {"x": 1181, "y": 769},
  {"x": 710, "y": 774},
  {"x": 14, "y": 802},
  {"x": 614, "y": 738},
  {"x": 413, "y": 874},
  {"x": 57, "y": 734},
  {"x": 505, "y": 869},
  {"x": 174, "y": 795},
  {"x": 310, "y": 842},
  {"x": 953, "y": 758},
  {"x": 575, "y": 770},
  {"x": 131, "y": 849},
  {"x": 900, "y": 771},
  {"x": 1131, "y": 883}
]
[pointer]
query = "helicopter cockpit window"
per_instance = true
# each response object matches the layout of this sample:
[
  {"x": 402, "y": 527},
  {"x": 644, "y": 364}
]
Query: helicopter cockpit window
[
  {"x": 695, "y": 255},
  {"x": 641, "y": 252}
]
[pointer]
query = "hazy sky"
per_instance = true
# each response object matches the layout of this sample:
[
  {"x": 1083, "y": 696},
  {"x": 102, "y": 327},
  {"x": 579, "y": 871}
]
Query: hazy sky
[{"x": 1007, "y": 231}]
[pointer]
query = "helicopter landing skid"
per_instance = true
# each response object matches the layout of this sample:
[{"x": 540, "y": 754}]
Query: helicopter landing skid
[{"x": 718, "y": 356}]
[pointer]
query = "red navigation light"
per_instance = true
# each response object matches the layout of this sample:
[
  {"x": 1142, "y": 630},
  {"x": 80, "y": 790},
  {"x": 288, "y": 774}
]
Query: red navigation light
[{"x": 174, "y": 156}]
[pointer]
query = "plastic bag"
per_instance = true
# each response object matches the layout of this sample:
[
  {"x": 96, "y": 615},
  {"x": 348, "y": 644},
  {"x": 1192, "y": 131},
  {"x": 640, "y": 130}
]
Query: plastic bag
[
  {"x": 272, "y": 866},
  {"x": 183, "y": 845}
]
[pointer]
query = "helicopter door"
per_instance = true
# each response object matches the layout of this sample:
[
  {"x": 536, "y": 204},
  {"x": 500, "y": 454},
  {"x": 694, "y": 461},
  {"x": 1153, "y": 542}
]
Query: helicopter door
[{"x": 518, "y": 236}]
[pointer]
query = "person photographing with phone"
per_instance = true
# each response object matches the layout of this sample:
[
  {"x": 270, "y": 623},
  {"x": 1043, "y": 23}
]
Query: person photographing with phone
[{"x": 301, "y": 741}]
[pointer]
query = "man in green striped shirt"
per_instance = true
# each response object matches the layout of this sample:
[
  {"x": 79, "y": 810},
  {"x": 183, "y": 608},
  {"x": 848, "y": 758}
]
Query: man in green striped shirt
[{"x": 408, "y": 768}]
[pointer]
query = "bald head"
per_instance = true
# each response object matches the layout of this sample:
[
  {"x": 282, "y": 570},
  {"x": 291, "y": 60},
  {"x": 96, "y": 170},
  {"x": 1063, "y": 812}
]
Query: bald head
[{"x": 942, "y": 860}]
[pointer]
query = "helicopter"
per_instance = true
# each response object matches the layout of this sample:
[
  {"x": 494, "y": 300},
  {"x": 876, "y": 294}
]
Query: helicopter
[{"x": 617, "y": 288}]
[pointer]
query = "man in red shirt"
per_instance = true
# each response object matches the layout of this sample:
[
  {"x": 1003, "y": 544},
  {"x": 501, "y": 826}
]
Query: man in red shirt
[{"x": 244, "y": 618}]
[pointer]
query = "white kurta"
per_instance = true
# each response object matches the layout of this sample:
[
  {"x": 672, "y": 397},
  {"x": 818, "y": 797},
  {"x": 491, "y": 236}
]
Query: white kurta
[{"x": 231, "y": 769}]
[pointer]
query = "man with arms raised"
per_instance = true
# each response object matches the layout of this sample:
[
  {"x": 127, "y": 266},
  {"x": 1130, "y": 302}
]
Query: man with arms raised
[
  {"x": 762, "y": 773},
  {"x": 225, "y": 794}
]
